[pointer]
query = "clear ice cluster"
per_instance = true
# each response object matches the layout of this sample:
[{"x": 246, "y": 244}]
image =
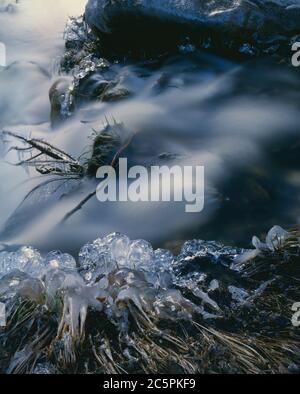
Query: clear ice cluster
[
  {"x": 114, "y": 251},
  {"x": 76, "y": 32},
  {"x": 30, "y": 261},
  {"x": 215, "y": 251},
  {"x": 276, "y": 239},
  {"x": 96, "y": 259},
  {"x": 114, "y": 272}
]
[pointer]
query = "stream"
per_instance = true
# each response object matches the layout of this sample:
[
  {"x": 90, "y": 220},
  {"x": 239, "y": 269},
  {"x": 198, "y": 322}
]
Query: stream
[
  {"x": 239, "y": 119},
  {"x": 92, "y": 287}
]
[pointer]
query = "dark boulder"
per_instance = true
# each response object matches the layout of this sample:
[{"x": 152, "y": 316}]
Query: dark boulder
[{"x": 155, "y": 23}]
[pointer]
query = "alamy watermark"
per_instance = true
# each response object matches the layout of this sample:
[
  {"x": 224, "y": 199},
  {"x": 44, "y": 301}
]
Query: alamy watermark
[
  {"x": 154, "y": 184},
  {"x": 296, "y": 55},
  {"x": 2, "y": 315},
  {"x": 2, "y": 55}
]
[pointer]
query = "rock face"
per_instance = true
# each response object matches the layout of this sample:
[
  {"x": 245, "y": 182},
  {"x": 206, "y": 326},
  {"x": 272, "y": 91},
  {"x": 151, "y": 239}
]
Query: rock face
[
  {"x": 59, "y": 100},
  {"x": 141, "y": 21}
]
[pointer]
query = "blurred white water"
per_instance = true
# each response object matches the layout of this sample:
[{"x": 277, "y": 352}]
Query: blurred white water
[
  {"x": 32, "y": 31},
  {"x": 230, "y": 118}
]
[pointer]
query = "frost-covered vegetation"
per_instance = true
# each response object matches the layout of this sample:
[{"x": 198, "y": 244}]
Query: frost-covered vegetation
[{"x": 123, "y": 307}]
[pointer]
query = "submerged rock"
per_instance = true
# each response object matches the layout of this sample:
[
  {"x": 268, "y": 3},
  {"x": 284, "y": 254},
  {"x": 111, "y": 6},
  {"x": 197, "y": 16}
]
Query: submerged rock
[
  {"x": 88, "y": 82},
  {"x": 61, "y": 101},
  {"x": 142, "y": 23}
]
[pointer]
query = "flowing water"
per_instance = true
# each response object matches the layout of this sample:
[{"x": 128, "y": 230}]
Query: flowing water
[
  {"x": 239, "y": 120},
  {"x": 98, "y": 304}
]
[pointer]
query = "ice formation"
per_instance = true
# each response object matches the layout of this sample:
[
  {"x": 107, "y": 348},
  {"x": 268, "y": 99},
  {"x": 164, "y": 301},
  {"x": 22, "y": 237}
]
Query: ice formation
[
  {"x": 276, "y": 239},
  {"x": 117, "y": 251},
  {"x": 112, "y": 272},
  {"x": 125, "y": 283},
  {"x": 30, "y": 261}
]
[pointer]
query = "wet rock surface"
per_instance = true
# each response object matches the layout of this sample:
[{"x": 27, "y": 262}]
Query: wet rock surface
[
  {"x": 139, "y": 23},
  {"x": 61, "y": 101},
  {"x": 113, "y": 33}
]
